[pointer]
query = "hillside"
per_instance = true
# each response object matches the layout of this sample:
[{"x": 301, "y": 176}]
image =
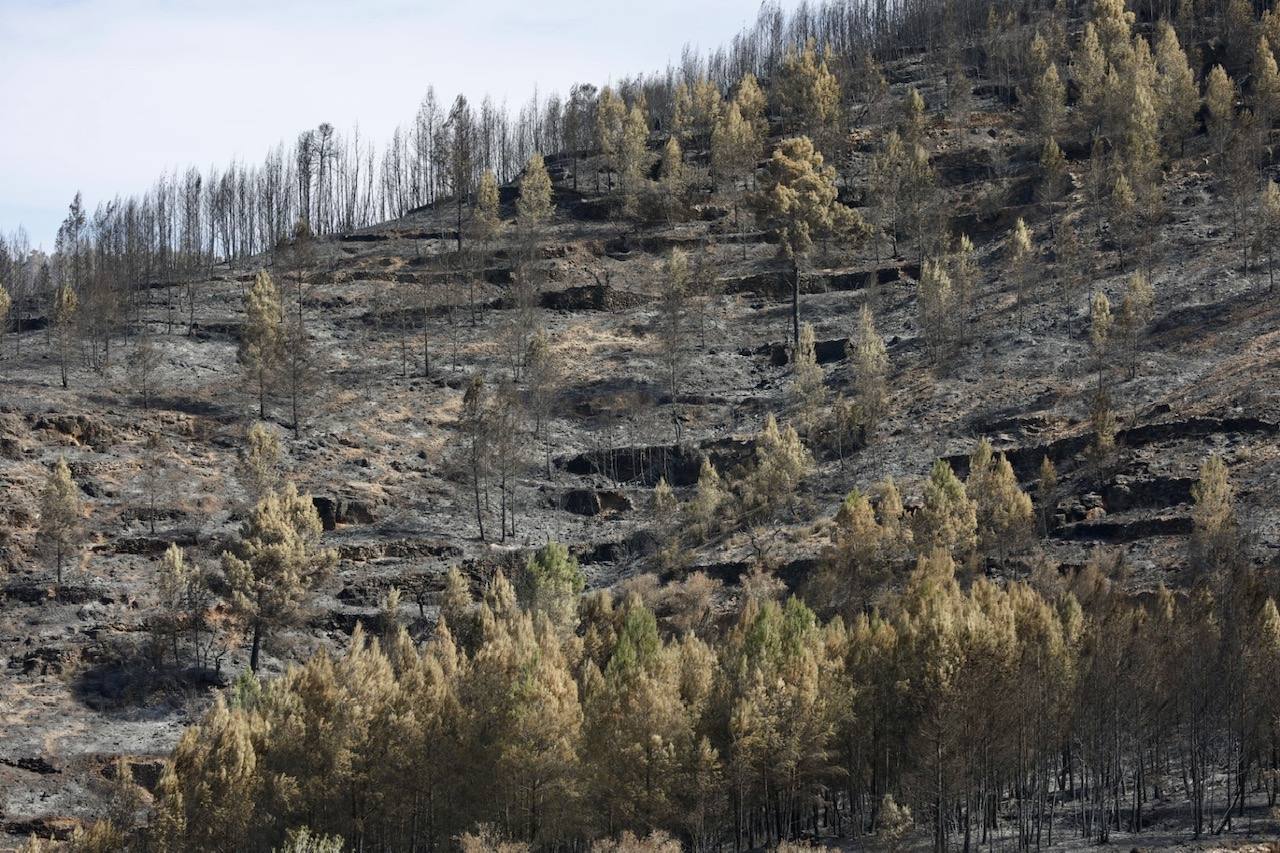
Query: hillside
[{"x": 382, "y": 448}]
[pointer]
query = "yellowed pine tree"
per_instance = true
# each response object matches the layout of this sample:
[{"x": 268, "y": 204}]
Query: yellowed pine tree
[
  {"x": 1054, "y": 176},
  {"x": 948, "y": 518},
  {"x": 1048, "y": 105},
  {"x": 1215, "y": 536},
  {"x": 808, "y": 381},
  {"x": 533, "y": 207},
  {"x": 1177, "y": 96},
  {"x": 869, "y": 361},
  {"x": 800, "y": 201},
  {"x": 276, "y": 564},
  {"x": 61, "y": 516},
  {"x": 937, "y": 307},
  {"x": 63, "y": 311},
  {"x": 611, "y": 115},
  {"x": 1022, "y": 264},
  {"x": 262, "y": 339},
  {"x": 1220, "y": 102}
]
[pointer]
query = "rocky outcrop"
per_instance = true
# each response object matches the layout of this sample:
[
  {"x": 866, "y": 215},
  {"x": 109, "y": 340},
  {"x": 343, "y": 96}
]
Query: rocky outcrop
[
  {"x": 1118, "y": 530},
  {"x": 342, "y": 510},
  {"x": 82, "y": 429},
  {"x": 646, "y": 465},
  {"x": 590, "y": 502},
  {"x": 591, "y": 297}
]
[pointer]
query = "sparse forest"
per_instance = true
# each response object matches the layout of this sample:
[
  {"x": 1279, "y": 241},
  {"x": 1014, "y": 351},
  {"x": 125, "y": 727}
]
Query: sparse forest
[{"x": 860, "y": 436}]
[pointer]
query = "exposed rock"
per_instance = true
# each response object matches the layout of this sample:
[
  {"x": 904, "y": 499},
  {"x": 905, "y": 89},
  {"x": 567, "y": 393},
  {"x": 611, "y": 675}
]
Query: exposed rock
[
  {"x": 591, "y": 297},
  {"x": 1126, "y": 493},
  {"x": 342, "y": 510},
  {"x": 1113, "y": 530},
  {"x": 589, "y": 502},
  {"x": 647, "y": 465},
  {"x": 779, "y": 353},
  {"x": 146, "y": 771},
  {"x": 82, "y": 429}
]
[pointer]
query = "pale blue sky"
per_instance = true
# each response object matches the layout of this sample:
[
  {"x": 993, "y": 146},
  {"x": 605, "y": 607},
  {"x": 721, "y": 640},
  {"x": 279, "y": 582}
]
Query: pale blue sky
[{"x": 103, "y": 95}]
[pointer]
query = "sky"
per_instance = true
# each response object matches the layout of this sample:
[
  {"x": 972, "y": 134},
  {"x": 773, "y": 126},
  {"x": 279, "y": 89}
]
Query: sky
[{"x": 102, "y": 96}]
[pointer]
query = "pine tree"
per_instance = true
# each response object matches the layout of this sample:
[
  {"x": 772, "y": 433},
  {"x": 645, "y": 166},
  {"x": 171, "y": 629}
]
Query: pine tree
[
  {"x": 735, "y": 149},
  {"x": 1089, "y": 68},
  {"x": 552, "y": 582},
  {"x": 65, "y": 305},
  {"x": 262, "y": 339},
  {"x": 1123, "y": 215},
  {"x": 1054, "y": 177},
  {"x": 962, "y": 266},
  {"x": 631, "y": 151},
  {"x": 303, "y": 840},
  {"x": 674, "y": 332},
  {"x": 1048, "y": 104},
  {"x": 869, "y": 362},
  {"x": 1215, "y": 530},
  {"x": 937, "y": 308},
  {"x": 207, "y": 796},
  {"x": 611, "y": 114},
  {"x": 1005, "y": 516},
  {"x": 706, "y": 508},
  {"x": 1022, "y": 261},
  {"x": 682, "y": 113},
  {"x": 1069, "y": 256},
  {"x": 807, "y": 94},
  {"x": 1136, "y": 311},
  {"x": 260, "y": 460},
  {"x": 859, "y": 561},
  {"x": 477, "y": 429},
  {"x": 808, "y": 381},
  {"x": 1100, "y": 324},
  {"x": 1266, "y": 86},
  {"x": 543, "y": 373},
  {"x": 1115, "y": 26},
  {"x": 869, "y": 86},
  {"x": 488, "y": 215},
  {"x": 671, "y": 181},
  {"x": 183, "y": 597},
  {"x": 707, "y": 105},
  {"x": 948, "y": 518},
  {"x": 922, "y": 216},
  {"x": 911, "y": 123},
  {"x": 1177, "y": 97},
  {"x": 1102, "y": 418},
  {"x": 1220, "y": 103},
  {"x": 1269, "y": 228},
  {"x": 277, "y": 562},
  {"x": 296, "y": 368},
  {"x": 799, "y": 200},
  {"x": 781, "y": 463},
  {"x": 61, "y": 513},
  {"x": 636, "y": 725},
  {"x": 533, "y": 207},
  {"x": 1046, "y": 493},
  {"x": 1140, "y": 136},
  {"x": 142, "y": 363},
  {"x": 6, "y": 304},
  {"x": 751, "y": 103}
]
